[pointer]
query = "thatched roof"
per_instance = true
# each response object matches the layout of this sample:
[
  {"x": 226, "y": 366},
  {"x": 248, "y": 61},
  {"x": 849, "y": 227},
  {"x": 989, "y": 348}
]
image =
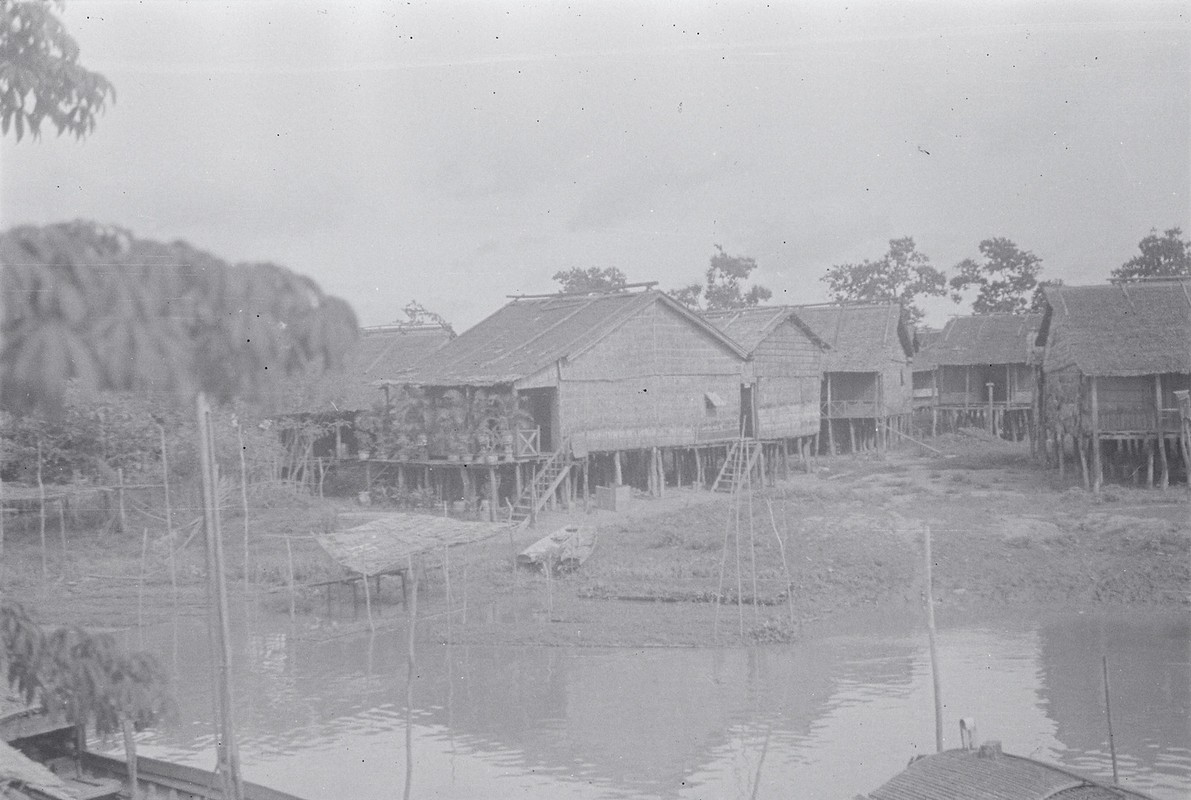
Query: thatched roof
[
  {"x": 1125, "y": 329},
  {"x": 21, "y": 775},
  {"x": 529, "y": 334},
  {"x": 986, "y": 339},
  {"x": 862, "y": 338},
  {"x": 387, "y": 541},
  {"x": 386, "y": 352},
  {"x": 924, "y": 340},
  {"x": 751, "y": 326}
]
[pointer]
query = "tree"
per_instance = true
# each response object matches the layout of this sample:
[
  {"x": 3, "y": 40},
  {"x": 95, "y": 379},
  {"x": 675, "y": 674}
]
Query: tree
[
  {"x": 95, "y": 304},
  {"x": 723, "y": 290},
  {"x": 1007, "y": 278},
  {"x": 577, "y": 280},
  {"x": 85, "y": 677},
  {"x": 901, "y": 275},
  {"x": 40, "y": 77},
  {"x": 1163, "y": 256}
]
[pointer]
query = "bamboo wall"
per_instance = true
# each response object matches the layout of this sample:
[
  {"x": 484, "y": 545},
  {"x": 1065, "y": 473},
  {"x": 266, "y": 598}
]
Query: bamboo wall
[
  {"x": 786, "y": 367},
  {"x": 645, "y": 385}
]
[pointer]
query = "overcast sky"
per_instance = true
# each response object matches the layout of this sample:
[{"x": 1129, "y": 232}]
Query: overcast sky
[{"x": 454, "y": 153}]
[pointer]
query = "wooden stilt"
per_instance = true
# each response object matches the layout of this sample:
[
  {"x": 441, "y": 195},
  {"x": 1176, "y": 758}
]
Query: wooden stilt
[
  {"x": 852, "y": 435},
  {"x": 493, "y": 494},
  {"x": 1083, "y": 462},
  {"x": 1060, "y": 450},
  {"x": 1160, "y": 436},
  {"x": 617, "y": 474},
  {"x": 1097, "y": 470}
]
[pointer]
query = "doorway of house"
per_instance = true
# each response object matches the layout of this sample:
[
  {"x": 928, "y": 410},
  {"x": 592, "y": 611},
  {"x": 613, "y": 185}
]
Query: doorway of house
[
  {"x": 541, "y": 404},
  {"x": 748, "y": 412}
]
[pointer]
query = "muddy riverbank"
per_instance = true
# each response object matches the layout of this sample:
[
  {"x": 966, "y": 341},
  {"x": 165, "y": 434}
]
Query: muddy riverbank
[{"x": 1006, "y": 532}]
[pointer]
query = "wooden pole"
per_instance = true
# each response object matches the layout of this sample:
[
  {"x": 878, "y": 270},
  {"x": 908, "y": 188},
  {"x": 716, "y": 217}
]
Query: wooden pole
[
  {"x": 493, "y": 494},
  {"x": 289, "y": 556},
  {"x": 1097, "y": 469},
  {"x": 1163, "y": 464},
  {"x": 617, "y": 474},
  {"x": 1081, "y": 451},
  {"x": 852, "y": 434},
  {"x": 934, "y": 654},
  {"x": 120, "y": 499},
  {"x": 227, "y": 752},
  {"x": 412, "y": 609},
  {"x": 45, "y": 570},
  {"x": 244, "y": 497},
  {"x": 1112, "y": 747},
  {"x": 169, "y": 517}
]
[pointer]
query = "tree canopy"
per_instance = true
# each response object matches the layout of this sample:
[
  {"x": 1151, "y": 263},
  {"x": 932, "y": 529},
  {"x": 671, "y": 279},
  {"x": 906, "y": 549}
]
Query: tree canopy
[
  {"x": 578, "y": 280},
  {"x": 93, "y": 303},
  {"x": 1168, "y": 255},
  {"x": 901, "y": 275},
  {"x": 1006, "y": 276},
  {"x": 40, "y": 74},
  {"x": 724, "y": 287}
]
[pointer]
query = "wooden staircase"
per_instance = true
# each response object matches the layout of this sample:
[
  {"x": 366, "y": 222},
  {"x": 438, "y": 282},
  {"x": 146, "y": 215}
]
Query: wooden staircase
[
  {"x": 738, "y": 466},
  {"x": 545, "y": 481}
]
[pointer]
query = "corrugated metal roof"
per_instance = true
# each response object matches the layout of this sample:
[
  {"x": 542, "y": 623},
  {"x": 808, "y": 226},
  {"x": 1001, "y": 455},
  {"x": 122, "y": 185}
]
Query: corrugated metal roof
[
  {"x": 387, "y": 541},
  {"x": 987, "y": 339},
  {"x": 750, "y": 326},
  {"x": 1125, "y": 329},
  {"x": 861, "y": 337},
  {"x": 963, "y": 774},
  {"x": 530, "y": 334}
]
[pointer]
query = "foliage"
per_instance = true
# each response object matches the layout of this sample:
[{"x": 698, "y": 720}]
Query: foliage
[
  {"x": 40, "y": 77},
  {"x": 420, "y": 315},
  {"x": 577, "y": 280},
  {"x": 23, "y": 643},
  {"x": 95, "y": 304},
  {"x": 84, "y": 676},
  {"x": 901, "y": 275},
  {"x": 97, "y": 433},
  {"x": 1007, "y": 278},
  {"x": 1168, "y": 255},
  {"x": 414, "y": 423},
  {"x": 724, "y": 288}
]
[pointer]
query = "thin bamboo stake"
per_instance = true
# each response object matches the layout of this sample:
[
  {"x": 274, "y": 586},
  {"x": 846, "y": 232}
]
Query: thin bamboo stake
[
  {"x": 134, "y": 791},
  {"x": 1108, "y": 712},
  {"x": 412, "y": 610},
  {"x": 140, "y": 592},
  {"x": 45, "y": 572},
  {"x": 753, "y": 558},
  {"x": 368, "y": 603},
  {"x": 62, "y": 536},
  {"x": 169, "y": 517},
  {"x": 120, "y": 499},
  {"x": 785, "y": 564},
  {"x": 446, "y": 574},
  {"x": 243, "y": 499},
  {"x": 743, "y": 461},
  {"x": 934, "y": 654},
  {"x": 289, "y": 554}
]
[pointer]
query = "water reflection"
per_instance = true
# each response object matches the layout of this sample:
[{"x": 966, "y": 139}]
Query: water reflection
[{"x": 834, "y": 716}]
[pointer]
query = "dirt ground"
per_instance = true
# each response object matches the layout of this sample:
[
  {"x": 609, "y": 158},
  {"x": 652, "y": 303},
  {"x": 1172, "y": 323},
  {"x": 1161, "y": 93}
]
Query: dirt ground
[{"x": 670, "y": 571}]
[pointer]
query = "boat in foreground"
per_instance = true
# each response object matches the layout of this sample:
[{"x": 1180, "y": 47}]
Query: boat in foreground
[
  {"x": 561, "y": 551},
  {"x": 989, "y": 774},
  {"x": 165, "y": 779}
]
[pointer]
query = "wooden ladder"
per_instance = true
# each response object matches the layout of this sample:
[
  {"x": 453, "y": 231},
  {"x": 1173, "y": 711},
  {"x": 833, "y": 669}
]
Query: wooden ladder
[
  {"x": 545, "y": 481},
  {"x": 738, "y": 466}
]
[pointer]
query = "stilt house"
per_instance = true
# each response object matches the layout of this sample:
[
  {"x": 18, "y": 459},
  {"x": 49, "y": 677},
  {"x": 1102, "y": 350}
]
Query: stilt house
[
  {"x": 630, "y": 383},
  {"x": 786, "y": 355},
  {"x": 323, "y": 409},
  {"x": 984, "y": 373},
  {"x": 1115, "y": 357},
  {"x": 866, "y": 388}
]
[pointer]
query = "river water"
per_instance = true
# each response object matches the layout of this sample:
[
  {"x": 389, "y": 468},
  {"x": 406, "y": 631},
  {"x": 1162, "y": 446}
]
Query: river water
[{"x": 829, "y": 717}]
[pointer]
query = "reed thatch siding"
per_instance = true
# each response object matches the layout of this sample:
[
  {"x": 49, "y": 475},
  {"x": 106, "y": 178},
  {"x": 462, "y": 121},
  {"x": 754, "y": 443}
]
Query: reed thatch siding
[
  {"x": 867, "y": 370},
  {"x": 1125, "y": 336},
  {"x": 609, "y": 372},
  {"x": 923, "y": 367},
  {"x": 975, "y": 351},
  {"x": 786, "y": 358}
]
